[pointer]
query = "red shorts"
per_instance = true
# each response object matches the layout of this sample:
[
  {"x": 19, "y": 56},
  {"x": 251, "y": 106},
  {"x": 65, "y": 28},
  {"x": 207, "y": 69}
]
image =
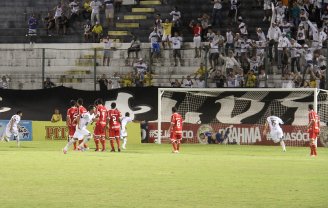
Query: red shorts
[
  {"x": 99, "y": 130},
  {"x": 114, "y": 133},
  {"x": 71, "y": 130},
  {"x": 175, "y": 137},
  {"x": 313, "y": 135}
]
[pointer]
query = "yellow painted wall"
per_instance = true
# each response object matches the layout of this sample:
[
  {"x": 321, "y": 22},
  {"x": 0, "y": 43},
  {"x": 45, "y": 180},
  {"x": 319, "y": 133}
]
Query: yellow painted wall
[{"x": 46, "y": 130}]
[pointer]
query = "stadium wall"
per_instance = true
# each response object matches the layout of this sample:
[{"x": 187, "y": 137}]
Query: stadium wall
[{"x": 141, "y": 103}]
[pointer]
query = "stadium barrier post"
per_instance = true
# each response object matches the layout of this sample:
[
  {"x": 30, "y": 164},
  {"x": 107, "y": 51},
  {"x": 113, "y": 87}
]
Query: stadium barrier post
[
  {"x": 95, "y": 69},
  {"x": 206, "y": 71},
  {"x": 326, "y": 87},
  {"x": 43, "y": 66}
]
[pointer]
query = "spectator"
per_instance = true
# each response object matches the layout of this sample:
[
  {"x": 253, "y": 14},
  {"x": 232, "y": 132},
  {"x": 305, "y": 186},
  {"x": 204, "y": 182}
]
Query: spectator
[
  {"x": 154, "y": 38},
  {"x": 295, "y": 55},
  {"x": 250, "y": 79},
  {"x": 234, "y": 10},
  {"x": 197, "y": 30},
  {"x": 103, "y": 83},
  {"x": 188, "y": 83},
  {"x": 229, "y": 41},
  {"x": 56, "y": 117},
  {"x": 114, "y": 81},
  {"x": 204, "y": 22},
  {"x": 176, "y": 15},
  {"x": 48, "y": 84},
  {"x": 49, "y": 22},
  {"x": 201, "y": 71},
  {"x": 216, "y": 14},
  {"x": 159, "y": 24},
  {"x": 107, "y": 42},
  {"x": 176, "y": 20},
  {"x": 214, "y": 52},
  {"x": 295, "y": 14},
  {"x": 262, "y": 79},
  {"x": 95, "y": 5},
  {"x": 242, "y": 27},
  {"x": 200, "y": 82},
  {"x": 267, "y": 10},
  {"x": 134, "y": 47},
  {"x": 32, "y": 28},
  {"x": 97, "y": 32},
  {"x": 58, "y": 14},
  {"x": 87, "y": 31},
  {"x": 176, "y": 44},
  {"x": 75, "y": 10},
  {"x": 140, "y": 67},
  {"x": 230, "y": 62},
  {"x": 4, "y": 82},
  {"x": 86, "y": 10},
  {"x": 219, "y": 79},
  {"x": 148, "y": 79},
  {"x": 109, "y": 11},
  {"x": 167, "y": 31},
  {"x": 174, "y": 83},
  {"x": 118, "y": 5},
  {"x": 127, "y": 80},
  {"x": 63, "y": 23},
  {"x": 273, "y": 35}
]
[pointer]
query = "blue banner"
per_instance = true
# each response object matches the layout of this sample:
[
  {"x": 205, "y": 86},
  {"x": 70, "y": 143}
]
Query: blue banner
[{"x": 24, "y": 129}]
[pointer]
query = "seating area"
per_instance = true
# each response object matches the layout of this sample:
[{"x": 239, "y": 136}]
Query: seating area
[{"x": 71, "y": 61}]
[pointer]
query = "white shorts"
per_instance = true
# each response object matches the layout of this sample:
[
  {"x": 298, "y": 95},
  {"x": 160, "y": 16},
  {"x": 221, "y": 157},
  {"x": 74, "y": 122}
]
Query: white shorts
[
  {"x": 124, "y": 133},
  {"x": 8, "y": 133},
  {"x": 197, "y": 41},
  {"x": 81, "y": 133},
  {"x": 276, "y": 136}
]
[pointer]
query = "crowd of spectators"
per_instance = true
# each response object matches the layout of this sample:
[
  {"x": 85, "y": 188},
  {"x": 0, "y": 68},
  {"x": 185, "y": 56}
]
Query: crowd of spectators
[{"x": 291, "y": 46}]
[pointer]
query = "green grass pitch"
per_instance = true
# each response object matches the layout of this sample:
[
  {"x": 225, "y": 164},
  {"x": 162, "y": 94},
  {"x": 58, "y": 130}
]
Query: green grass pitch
[{"x": 39, "y": 175}]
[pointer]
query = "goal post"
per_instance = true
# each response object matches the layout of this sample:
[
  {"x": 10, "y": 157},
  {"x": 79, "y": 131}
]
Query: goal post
[{"x": 243, "y": 109}]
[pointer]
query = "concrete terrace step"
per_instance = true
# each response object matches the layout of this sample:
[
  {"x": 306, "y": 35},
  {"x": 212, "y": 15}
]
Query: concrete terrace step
[
  {"x": 135, "y": 17},
  {"x": 150, "y": 2},
  {"x": 127, "y": 25},
  {"x": 143, "y": 10}
]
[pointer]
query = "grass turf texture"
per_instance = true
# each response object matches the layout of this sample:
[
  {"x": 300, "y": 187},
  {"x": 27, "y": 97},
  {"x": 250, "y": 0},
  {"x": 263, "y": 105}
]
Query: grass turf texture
[{"x": 39, "y": 175}]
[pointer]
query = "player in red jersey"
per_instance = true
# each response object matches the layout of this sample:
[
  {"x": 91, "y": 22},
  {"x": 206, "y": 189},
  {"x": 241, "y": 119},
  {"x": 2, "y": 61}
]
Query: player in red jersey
[
  {"x": 99, "y": 134},
  {"x": 176, "y": 130},
  {"x": 80, "y": 111},
  {"x": 71, "y": 120},
  {"x": 113, "y": 118},
  {"x": 314, "y": 129}
]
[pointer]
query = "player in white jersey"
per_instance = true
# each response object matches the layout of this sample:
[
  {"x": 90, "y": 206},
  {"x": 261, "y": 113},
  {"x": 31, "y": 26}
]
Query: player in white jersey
[
  {"x": 276, "y": 133},
  {"x": 12, "y": 128},
  {"x": 124, "y": 134},
  {"x": 81, "y": 132}
]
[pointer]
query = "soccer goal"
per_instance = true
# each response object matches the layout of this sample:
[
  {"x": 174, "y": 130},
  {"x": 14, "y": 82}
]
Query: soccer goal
[{"x": 240, "y": 114}]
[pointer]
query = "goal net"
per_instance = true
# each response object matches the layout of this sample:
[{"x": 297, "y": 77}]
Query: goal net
[{"x": 239, "y": 115}]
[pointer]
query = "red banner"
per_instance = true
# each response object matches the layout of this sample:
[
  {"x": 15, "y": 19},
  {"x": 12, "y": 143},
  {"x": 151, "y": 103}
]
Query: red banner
[{"x": 242, "y": 134}]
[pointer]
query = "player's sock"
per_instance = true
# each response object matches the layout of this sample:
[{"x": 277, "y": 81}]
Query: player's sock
[
  {"x": 282, "y": 143},
  {"x": 71, "y": 141},
  {"x": 178, "y": 146},
  {"x": 74, "y": 145},
  {"x": 124, "y": 143},
  {"x": 174, "y": 145},
  {"x": 103, "y": 144},
  {"x": 97, "y": 143},
  {"x": 312, "y": 151},
  {"x": 17, "y": 139},
  {"x": 118, "y": 142},
  {"x": 112, "y": 144},
  {"x": 85, "y": 140}
]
